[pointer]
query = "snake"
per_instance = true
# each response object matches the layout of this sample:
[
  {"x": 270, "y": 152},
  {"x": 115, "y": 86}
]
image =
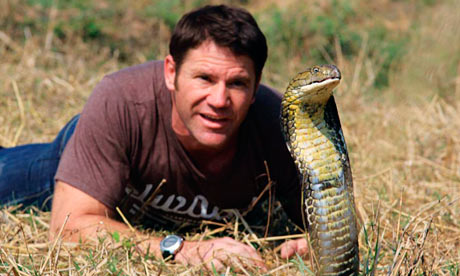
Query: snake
[{"x": 311, "y": 128}]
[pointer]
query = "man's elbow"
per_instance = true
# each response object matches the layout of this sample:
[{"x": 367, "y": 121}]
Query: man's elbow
[{"x": 60, "y": 228}]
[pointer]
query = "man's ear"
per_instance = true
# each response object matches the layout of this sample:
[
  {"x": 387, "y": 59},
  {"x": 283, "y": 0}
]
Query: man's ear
[{"x": 170, "y": 72}]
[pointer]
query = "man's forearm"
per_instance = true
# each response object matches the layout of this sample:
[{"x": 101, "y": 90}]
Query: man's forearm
[
  {"x": 83, "y": 227},
  {"x": 88, "y": 218},
  {"x": 86, "y": 227}
]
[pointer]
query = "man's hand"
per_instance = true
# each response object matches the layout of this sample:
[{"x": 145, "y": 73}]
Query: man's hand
[
  {"x": 289, "y": 248},
  {"x": 221, "y": 252}
]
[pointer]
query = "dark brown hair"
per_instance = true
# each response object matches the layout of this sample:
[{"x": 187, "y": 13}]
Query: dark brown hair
[{"x": 226, "y": 26}]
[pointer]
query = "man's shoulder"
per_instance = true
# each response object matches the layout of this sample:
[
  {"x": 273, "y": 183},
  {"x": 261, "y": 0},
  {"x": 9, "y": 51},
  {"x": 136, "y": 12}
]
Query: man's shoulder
[
  {"x": 145, "y": 70},
  {"x": 265, "y": 115},
  {"x": 266, "y": 107},
  {"x": 268, "y": 94},
  {"x": 136, "y": 82},
  {"x": 266, "y": 132}
]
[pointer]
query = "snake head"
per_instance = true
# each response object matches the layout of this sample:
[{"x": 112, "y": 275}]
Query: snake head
[{"x": 316, "y": 82}]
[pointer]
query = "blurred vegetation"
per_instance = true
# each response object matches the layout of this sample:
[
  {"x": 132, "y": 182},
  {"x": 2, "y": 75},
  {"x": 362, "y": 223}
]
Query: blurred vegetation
[{"x": 299, "y": 35}]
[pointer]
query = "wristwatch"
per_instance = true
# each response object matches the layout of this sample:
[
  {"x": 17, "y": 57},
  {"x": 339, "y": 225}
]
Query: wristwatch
[{"x": 171, "y": 245}]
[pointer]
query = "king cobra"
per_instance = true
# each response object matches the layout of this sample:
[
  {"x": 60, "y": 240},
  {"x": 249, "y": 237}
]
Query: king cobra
[{"x": 311, "y": 128}]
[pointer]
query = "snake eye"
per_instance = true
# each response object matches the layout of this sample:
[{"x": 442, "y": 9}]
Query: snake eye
[{"x": 315, "y": 70}]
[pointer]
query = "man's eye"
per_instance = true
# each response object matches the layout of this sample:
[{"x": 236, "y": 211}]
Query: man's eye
[
  {"x": 238, "y": 84},
  {"x": 204, "y": 77}
]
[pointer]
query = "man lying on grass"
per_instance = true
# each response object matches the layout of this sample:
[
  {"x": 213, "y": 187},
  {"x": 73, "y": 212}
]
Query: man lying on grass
[{"x": 168, "y": 142}]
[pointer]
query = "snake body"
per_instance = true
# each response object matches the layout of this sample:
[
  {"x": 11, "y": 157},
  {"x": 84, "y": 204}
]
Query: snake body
[{"x": 311, "y": 128}]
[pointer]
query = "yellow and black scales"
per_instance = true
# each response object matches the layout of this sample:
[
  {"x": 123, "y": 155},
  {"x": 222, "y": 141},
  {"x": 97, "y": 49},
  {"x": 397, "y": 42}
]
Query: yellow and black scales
[{"x": 311, "y": 128}]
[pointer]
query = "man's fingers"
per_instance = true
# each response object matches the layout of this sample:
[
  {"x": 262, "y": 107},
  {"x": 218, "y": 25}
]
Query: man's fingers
[
  {"x": 253, "y": 259},
  {"x": 302, "y": 247},
  {"x": 289, "y": 248},
  {"x": 219, "y": 251},
  {"x": 246, "y": 253},
  {"x": 232, "y": 251},
  {"x": 239, "y": 263}
]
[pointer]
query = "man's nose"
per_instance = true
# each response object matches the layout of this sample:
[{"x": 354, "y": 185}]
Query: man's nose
[{"x": 219, "y": 96}]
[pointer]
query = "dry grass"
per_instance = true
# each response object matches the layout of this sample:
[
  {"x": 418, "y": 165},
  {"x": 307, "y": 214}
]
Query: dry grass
[{"x": 403, "y": 140}]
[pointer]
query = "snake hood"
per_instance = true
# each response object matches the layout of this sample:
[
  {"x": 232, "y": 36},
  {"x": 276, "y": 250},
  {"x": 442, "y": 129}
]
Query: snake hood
[
  {"x": 309, "y": 92},
  {"x": 309, "y": 86}
]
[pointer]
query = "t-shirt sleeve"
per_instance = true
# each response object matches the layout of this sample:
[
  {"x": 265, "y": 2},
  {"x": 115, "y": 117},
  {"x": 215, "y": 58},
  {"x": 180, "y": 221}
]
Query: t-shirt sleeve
[
  {"x": 290, "y": 195},
  {"x": 280, "y": 162},
  {"x": 96, "y": 158},
  {"x": 289, "y": 190}
]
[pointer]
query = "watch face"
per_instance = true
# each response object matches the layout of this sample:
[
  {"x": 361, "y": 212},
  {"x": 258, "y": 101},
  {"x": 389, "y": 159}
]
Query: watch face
[
  {"x": 170, "y": 241},
  {"x": 170, "y": 245}
]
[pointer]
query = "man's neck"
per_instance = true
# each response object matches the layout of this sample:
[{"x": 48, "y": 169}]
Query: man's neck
[{"x": 210, "y": 161}]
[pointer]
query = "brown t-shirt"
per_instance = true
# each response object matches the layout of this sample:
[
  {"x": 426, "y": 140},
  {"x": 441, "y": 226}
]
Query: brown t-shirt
[{"x": 124, "y": 146}]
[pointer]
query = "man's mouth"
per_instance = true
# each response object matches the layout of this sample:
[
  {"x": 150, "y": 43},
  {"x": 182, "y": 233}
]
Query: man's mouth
[{"x": 215, "y": 119}]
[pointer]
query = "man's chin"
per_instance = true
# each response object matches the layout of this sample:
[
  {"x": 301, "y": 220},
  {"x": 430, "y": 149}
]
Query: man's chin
[{"x": 214, "y": 140}]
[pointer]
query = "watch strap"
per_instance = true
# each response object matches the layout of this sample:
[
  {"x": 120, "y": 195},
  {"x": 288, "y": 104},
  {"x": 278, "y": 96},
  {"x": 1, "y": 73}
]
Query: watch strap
[{"x": 165, "y": 254}]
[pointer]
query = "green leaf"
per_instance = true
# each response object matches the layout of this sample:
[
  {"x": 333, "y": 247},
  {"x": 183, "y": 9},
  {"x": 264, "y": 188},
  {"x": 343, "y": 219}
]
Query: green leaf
[
  {"x": 214, "y": 271},
  {"x": 116, "y": 236}
]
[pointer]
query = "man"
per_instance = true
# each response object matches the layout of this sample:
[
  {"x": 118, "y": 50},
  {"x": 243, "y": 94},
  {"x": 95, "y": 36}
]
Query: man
[{"x": 174, "y": 141}]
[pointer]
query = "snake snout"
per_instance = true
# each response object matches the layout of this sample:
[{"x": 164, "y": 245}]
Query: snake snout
[
  {"x": 337, "y": 74},
  {"x": 334, "y": 71}
]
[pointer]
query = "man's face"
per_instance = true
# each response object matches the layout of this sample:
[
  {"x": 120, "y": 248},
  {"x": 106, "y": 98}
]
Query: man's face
[{"x": 211, "y": 95}]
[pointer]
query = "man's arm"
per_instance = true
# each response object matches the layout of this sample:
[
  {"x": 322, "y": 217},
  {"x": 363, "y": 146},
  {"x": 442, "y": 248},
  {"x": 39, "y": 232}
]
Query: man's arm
[{"x": 88, "y": 217}]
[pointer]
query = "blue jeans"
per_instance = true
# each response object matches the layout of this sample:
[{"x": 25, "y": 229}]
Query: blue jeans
[{"x": 27, "y": 172}]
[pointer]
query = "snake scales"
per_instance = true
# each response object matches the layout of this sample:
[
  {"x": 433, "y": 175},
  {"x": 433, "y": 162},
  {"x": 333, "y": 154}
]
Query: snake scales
[{"x": 311, "y": 127}]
